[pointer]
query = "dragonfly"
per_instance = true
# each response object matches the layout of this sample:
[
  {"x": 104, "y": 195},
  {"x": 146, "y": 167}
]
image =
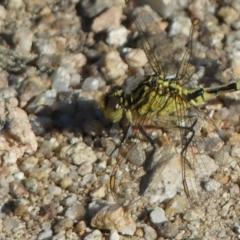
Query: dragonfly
[{"x": 167, "y": 101}]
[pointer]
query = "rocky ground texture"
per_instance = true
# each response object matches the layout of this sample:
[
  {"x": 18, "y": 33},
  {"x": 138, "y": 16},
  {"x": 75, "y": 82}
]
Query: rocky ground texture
[{"x": 57, "y": 59}]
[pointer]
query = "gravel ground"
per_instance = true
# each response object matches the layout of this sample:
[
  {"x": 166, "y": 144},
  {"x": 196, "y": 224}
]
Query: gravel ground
[{"x": 58, "y": 58}]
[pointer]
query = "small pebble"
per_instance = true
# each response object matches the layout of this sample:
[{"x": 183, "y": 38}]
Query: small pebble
[
  {"x": 54, "y": 190},
  {"x": 76, "y": 61},
  {"x": 47, "y": 211},
  {"x": 109, "y": 18},
  {"x": 180, "y": 24},
  {"x": 114, "y": 67},
  {"x": 66, "y": 182},
  {"x": 117, "y": 36},
  {"x": 10, "y": 158},
  {"x": 17, "y": 190},
  {"x": 94, "y": 235},
  {"x": 20, "y": 129},
  {"x": 62, "y": 169},
  {"x": 10, "y": 223},
  {"x": 88, "y": 178},
  {"x": 60, "y": 79},
  {"x": 3, "y": 12},
  {"x": 113, "y": 217},
  {"x": 40, "y": 173},
  {"x": 68, "y": 201},
  {"x": 20, "y": 210},
  {"x": 28, "y": 163},
  {"x": 90, "y": 84},
  {"x": 229, "y": 14},
  {"x": 235, "y": 151},
  {"x": 158, "y": 216},
  {"x": 78, "y": 153},
  {"x": 135, "y": 58},
  {"x": 99, "y": 193},
  {"x": 75, "y": 212},
  {"x": 114, "y": 235},
  {"x": 75, "y": 80},
  {"x": 63, "y": 224},
  {"x": 168, "y": 229},
  {"x": 85, "y": 168},
  {"x": 31, "y": 185},
  {"x": 19, "y": 176},
  {"x": 45, "y": 234},
  {"x": 81, "y": 226},
  {"x": 149, "y": 233},
  {"x": 14, "y": 4},
  {"x": 23, "y": 38}
]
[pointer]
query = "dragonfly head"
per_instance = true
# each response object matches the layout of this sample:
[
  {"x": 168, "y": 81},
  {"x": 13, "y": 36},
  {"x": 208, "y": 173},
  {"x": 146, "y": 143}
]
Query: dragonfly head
[{"x": 112, "y": 104}]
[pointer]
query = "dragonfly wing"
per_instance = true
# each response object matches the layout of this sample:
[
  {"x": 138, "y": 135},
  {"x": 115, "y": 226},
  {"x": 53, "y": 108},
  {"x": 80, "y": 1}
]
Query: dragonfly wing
[{"x": 200, "y": 143}]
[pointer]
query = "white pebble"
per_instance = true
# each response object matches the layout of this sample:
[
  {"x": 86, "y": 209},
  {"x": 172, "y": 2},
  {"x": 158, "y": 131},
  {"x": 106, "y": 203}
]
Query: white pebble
[
  {"x": 114, "y": 235},
  {"x": 85, "y": 168},
  {"x": 46, "y": 234},
  {"x": 10, "y": 223},
  {"x": 19, "y": 176},
  {"x": 14, "y": 4},
  {"x": 102, "y": 83},
  {"x": 78, "y": 153},
  {"x": 181, "y": 24},
  {"x": 21, "y": 129},
  {"x": 40, "y": 173},
  {"x": 95, "y": 235},
  {"x": 66, "y": 182},
  {"x": 111, "y": 17},
  {"x": 13, "y": 168},
  {"x": 62, "y": 169},
  {"x": 135, "y": 58},
  {"x": 150, "y": 233},
  {"x": 41, "y": 101},
  {"x": 54, "y": 190},
  {"x": 88, "y": 178},
  {"x": 114, "y": 217},
  {"x": 7, "y": 92},
  {"x": 75, "y": 80},
  {"x": 3, "y": 12},
  {"x": 102, "y": 165},
  {"x": 31, "y": 185},
  {"x": 75, "y": 212},
  {"x": 158, "y": 215},
  {"x": 28, "y": 163},
  {"x": 211, "y": 185},
  {"x": 76, "y": 60},
  {"x": 114, "y": 67},
  {"x": 61, "y": 79},
  {"x": 23, "y": 38},
  {"x": 117, "y": 36},
  {"x": 70, "y": 200},
  {"x": 4, "y": 191},
  {"x": 99, "y": 193},
  {"x": 10, "y": 158},
  {"x": 90, "y": 84},
  {"x": 70, "y": 69},
  {"x": 47, "y": 46}
]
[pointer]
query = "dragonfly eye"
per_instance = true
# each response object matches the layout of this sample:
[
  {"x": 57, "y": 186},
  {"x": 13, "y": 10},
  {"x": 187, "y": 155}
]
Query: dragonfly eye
[
  {"x": 113, "y": 104},
  {"x": 113, "y": 111}
]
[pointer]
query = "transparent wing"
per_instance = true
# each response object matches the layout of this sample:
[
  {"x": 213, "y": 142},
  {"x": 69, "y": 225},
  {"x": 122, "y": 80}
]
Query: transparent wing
[
  {"x": 127, "y": 174},
  {"x": 137, "y": 164},
  {"x": 202, "y": 152},
  {"x": 170, "y": 60},
  {"x": 200, "y": 144}
]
